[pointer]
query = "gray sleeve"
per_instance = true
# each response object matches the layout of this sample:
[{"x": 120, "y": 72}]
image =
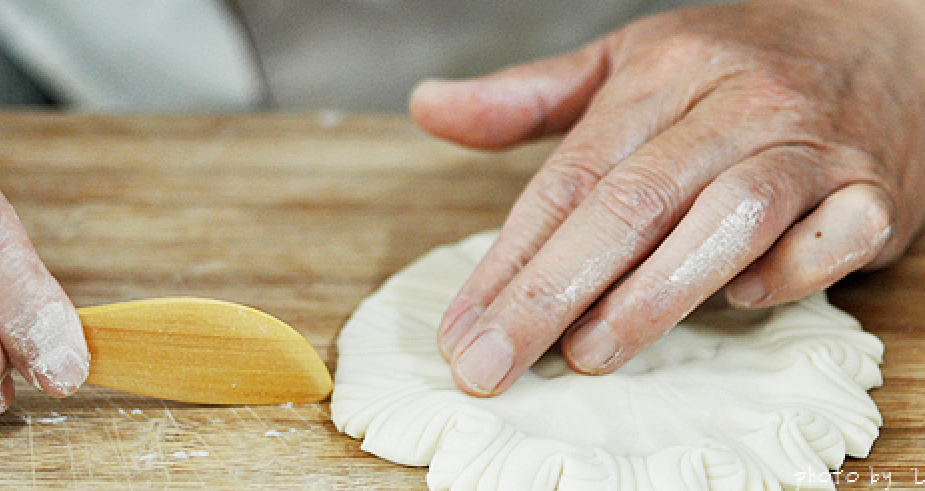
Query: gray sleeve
[
  {"x": 653, "y": 6},
  {"x": 16, "y": 88},
  {"x": 133, "y": 54}
]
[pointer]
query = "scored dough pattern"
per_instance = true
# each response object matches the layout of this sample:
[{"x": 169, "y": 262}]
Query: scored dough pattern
[{"x": 727, "y": 400}]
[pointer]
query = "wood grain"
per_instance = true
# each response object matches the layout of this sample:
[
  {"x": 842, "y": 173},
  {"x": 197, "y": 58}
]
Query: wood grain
[
  {"x": 203, "y": 351},
  {"x": 299, "y": 215},
  {"x": 290, "y": 214}
]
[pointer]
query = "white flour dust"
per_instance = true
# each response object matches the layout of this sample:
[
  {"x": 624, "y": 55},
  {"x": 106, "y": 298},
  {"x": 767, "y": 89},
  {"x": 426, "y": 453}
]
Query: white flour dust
[
  {"x": 728, "y": 240},
  {"x": 875, "y": 244},
  {"x": 55, "y": 357},
  {"x": 45, "y": 338},
  {"x": 275, "y": 433},
  {"x": 180, "y": 454},
  {"x": 42, "y": 329},
  {"x": 192, "y": 453},
  {"x": 597, "y": 273},
  {"x": 590, "y": 279},
  {"x": 53, "y": 418}
]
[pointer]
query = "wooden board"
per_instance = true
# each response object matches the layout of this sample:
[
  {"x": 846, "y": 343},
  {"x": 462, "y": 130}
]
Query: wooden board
[{"x": 302, "y": 216}]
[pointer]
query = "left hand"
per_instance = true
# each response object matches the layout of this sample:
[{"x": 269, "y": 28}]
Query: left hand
[{"x": 774, "y": 146}]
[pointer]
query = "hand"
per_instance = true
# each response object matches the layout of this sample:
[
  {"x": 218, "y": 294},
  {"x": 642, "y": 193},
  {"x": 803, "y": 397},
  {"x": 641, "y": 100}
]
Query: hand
[
  {"x": 768, "y": 146},
  {"x": 40, "y": 332}
]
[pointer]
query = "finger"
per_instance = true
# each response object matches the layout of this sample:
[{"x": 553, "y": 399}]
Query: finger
[
  {"x": 619, "y": 122},
  {"x": 632, "y": 107},
  {"x": 634, "y": 208},
  {"x": 606, "y": 135},
  {"x": 846, "y": 232},
  {"x": 732, "y": 222},
  {"x": 629, "y": 211},
  {"x": 39, "y": 327},
  {"x": 513, "y": 105}
]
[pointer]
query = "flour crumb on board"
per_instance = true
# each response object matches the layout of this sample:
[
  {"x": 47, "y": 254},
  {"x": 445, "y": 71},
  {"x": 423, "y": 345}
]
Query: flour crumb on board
[
  {"x": 286, "y": 405},
  {"x": 136, "y": 411},
  {"x": 279, "y": 433},
  {"x": 53, "y": 418},
  {"x": 180, "y": 454}
]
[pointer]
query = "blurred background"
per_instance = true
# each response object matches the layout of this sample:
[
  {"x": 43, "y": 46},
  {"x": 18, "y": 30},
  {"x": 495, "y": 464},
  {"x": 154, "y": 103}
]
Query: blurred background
[{"x": 215, "y": 56}]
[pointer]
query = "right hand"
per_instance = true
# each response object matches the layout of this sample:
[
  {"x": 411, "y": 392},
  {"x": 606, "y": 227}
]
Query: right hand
[
  {"x": 40, "y": 332},
  {"x": 768, "y": 146}
]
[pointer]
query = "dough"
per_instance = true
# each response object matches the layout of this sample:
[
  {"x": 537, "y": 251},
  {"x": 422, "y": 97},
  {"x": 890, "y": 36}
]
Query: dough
[{"x": 727, "y": 400}]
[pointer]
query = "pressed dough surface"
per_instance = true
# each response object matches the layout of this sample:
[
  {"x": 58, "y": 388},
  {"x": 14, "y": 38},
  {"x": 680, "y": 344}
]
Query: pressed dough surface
[{"x": 727, "y": 400}]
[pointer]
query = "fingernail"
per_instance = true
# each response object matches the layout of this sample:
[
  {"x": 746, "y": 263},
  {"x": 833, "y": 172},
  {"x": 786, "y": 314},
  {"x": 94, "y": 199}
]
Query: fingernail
[
  {"x": 593, "y": 346},
  {"x": 747, "y": 290},
  {"x": 458, "y": 328},
  {"x": 486, "y": 362}
]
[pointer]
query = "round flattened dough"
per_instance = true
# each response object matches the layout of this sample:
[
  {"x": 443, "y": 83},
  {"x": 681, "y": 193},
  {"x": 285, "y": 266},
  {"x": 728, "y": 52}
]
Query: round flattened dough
[{"x": 727, "y": 400}]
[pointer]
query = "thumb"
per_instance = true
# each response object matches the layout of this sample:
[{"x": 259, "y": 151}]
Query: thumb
[
  {"x": 514, "y": 105},
  {"x": 40, "y": 331}
]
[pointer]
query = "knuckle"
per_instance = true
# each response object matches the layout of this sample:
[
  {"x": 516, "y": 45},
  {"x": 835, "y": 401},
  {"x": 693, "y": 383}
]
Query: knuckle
[
  {"x": 768, "y": 185},
  {"x": 567, "y": 179},
  {"x": 847, "y": 164},
  {"x": 644, "y": 199}
]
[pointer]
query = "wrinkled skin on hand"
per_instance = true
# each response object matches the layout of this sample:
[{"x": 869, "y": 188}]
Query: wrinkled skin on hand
[
  {"x": 40, "y": 332},
  {"x": 771, "y": 147}
]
